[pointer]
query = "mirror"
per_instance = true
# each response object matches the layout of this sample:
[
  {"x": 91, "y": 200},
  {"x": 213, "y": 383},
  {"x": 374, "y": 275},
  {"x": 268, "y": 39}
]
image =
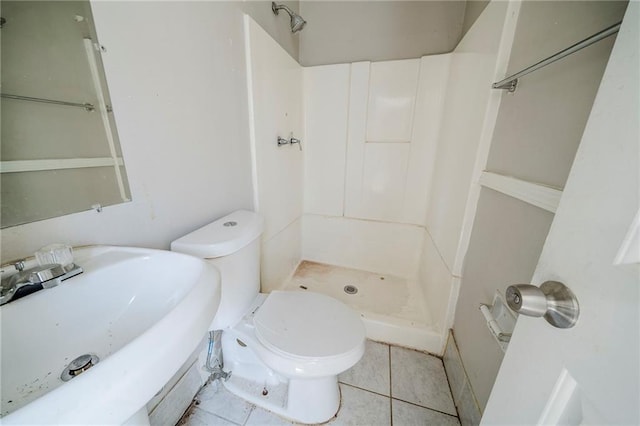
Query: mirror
[{"x": 59, "y": 147}]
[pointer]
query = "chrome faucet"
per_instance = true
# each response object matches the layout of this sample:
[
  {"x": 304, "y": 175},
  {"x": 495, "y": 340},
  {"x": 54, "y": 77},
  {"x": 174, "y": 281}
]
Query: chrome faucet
[{"x": 24, "y": 282}]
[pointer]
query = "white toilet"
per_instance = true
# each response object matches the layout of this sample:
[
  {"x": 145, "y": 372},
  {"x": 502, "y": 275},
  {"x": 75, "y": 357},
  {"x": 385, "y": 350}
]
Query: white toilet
[{"x": 284, "y": 349}]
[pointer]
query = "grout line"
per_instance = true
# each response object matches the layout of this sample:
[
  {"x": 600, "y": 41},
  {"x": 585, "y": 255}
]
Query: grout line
[
  {"x": 221, "y": 417},
  {"x": 346, "y": 147},
  {"x": 196, "y": 404},
  {"x": 188, "y": 411},
  {"x": 455, "y": 405},
  {"x": 363, "y": 389},
  {"x": 390, "y": 395},
  {"x": 195, "y": 408},
  {"x": 253, "y": 407},
  {"x": 426, "y": 408},
  {"x": 418, "y": 405},
  {"x": 226, "y": 420}
]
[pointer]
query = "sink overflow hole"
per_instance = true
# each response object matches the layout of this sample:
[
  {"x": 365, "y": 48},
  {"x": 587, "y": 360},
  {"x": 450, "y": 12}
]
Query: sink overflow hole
[
  {"x": 303, "y": 287},
  {"x": 79, "y": 366},
  {"x": 350, "y": 289}
]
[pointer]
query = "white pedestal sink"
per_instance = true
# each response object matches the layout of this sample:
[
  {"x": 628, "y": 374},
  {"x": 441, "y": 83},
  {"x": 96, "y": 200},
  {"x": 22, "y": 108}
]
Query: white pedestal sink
[{"x": 141, "y": 312}]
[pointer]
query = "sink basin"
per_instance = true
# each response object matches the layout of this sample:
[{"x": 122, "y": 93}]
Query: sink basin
[{"x": 141, "y": 312}]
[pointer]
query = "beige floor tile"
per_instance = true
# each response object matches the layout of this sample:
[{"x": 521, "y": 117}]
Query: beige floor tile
[
  {"x": 360, "y": 407},
  {"x": 215, "y": 399},
  {"x": 372, "y": 372},
  {"x": 420, "y": 379}
]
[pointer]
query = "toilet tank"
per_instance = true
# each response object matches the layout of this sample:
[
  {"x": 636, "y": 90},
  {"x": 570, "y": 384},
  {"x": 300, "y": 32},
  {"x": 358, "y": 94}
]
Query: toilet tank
[{"x": 232, "y": 244}]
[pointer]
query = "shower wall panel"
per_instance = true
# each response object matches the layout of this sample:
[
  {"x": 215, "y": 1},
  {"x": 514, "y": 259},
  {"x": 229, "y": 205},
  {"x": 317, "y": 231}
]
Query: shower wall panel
[
  {"x": 439, "y": 287},
  {"x": 275, "y": 109},
  {"x": 326, "y": 103},
  {"x": 371, "y": 137},
  {"x": 473, "y": 69},
  {"x": 391, "y": 100},
  {"x": 385, "y": 248},
  {"x": 388, "y": 147},
  {"x": 371, "y": 134}
]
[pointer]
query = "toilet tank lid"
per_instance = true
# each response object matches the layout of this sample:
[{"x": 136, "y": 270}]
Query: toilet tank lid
[{"x": 222, "y": 237}]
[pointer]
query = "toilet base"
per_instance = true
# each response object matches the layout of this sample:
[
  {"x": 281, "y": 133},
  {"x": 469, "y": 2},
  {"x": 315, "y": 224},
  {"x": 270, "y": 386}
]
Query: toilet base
[
  {"x": 294, "y": 389},
  {"x": 301, "y": 400}
]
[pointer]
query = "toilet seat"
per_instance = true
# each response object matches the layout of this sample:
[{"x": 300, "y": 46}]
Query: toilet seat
[{"x": 308, "y": 325}]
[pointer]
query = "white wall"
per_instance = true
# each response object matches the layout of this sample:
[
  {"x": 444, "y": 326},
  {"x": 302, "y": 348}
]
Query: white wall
[
  {"x": 275, "y": 96},
  {"x": 179, "y": 96},
  {"x": 350, "y": 31},
  {"x": 569, "y": 85},
  {"x": 471, "y": 12}
]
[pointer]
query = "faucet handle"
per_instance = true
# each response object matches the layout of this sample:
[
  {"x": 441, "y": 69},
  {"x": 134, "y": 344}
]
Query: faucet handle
[{"x": 294, "y": 141}]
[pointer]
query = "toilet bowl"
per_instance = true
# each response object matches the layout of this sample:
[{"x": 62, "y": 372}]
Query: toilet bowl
[{"x": 285, "y": 349}]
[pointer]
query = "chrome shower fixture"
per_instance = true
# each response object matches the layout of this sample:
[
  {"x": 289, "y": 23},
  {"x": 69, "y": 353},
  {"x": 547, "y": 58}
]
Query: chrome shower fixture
[{"x": 297, "y": 23}]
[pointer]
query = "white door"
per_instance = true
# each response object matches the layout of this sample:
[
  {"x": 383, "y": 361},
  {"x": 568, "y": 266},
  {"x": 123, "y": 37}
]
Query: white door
[{"x": 588, "y": 374}]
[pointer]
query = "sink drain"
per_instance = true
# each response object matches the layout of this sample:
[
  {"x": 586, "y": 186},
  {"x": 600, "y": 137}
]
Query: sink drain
[
  {"x": 350, "y": 289},
  {"x": 79, "y": 366}
]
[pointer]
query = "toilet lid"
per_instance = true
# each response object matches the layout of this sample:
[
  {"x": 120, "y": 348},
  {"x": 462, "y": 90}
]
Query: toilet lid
[{"x": 307, "y": 324}]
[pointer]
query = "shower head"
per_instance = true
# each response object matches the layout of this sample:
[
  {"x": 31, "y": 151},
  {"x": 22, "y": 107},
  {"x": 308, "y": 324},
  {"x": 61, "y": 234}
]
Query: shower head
[{"x": 297, "y": 23}]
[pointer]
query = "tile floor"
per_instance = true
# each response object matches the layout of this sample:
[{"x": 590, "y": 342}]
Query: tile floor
[{"x": 389, "y": 386}]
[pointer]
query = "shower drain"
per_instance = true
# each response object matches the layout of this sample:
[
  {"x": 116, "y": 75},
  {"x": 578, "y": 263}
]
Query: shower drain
[
  {"x": 350, "y": 289},
  {"x": 79, "y": 366}
]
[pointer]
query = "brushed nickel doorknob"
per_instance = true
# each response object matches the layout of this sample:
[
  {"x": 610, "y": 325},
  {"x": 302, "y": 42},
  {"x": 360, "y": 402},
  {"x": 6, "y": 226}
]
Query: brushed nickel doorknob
[{"x": 552, "y": 300}]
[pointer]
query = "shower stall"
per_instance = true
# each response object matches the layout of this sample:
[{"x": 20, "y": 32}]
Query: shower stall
[{"x": 376, "y": 200}]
